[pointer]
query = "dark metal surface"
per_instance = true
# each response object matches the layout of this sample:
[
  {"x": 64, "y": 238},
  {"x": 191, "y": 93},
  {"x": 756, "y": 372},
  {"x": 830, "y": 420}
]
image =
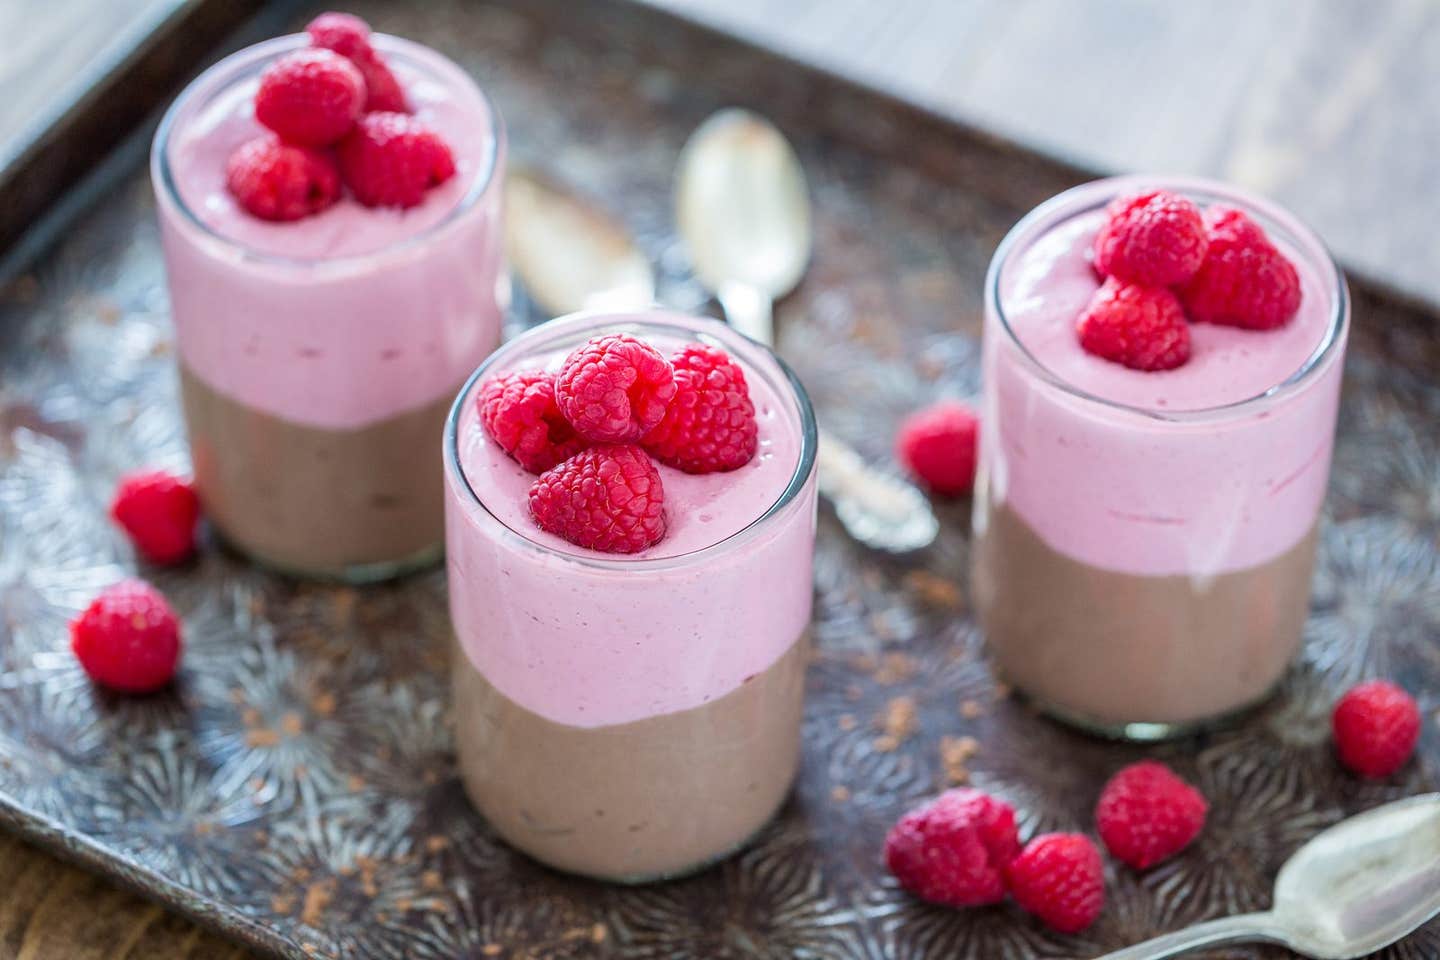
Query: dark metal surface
[{"x": 296, "y": 789}]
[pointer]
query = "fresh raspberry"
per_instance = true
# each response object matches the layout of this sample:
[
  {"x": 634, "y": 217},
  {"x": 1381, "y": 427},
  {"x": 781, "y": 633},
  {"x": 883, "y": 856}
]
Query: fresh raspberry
[
  {"x": 1060, "y": 878},
  {"x": 1244, "y": 280},
  {"x": 1376, "y": 726},
  {"x": 1147, "y": 814},
  {"x": 277, "y": 181},
  {"x": 1141, "y": 327},
  {"x": 128, "y": 639},
  {"x": 709, "y": 426},
  {"x": 311, "y": 98},
  {"x": 349, "y": 36},
  {"x": 939, "y": 445},
  {"x": 615, "y": 389},
  {"x": 391, "y": 159},
  {"x": 605, "y": 498},
  {"x": 159, "y": 512},
  {"x": 954, "y": 849},
  {"x": 1152, "y": 239},
  {"x": 520, "y": 414}
]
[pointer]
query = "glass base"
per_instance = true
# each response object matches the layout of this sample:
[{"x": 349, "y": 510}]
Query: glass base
[
  {"x": 357, "y": 574},
  {"x": 1143, "y": 731}
]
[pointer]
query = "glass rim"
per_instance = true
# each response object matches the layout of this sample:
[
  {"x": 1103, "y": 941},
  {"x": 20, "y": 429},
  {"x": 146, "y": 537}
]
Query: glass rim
[
  {"x": 659, "y": 317},
  {"x": 1096, "y": 194},
  {"x": 219, "y": 75}
]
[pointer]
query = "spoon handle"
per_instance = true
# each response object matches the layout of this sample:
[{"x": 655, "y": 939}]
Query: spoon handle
[
  {"x": 749, "y": 310},
  {"x": 1249, "y": 927}
]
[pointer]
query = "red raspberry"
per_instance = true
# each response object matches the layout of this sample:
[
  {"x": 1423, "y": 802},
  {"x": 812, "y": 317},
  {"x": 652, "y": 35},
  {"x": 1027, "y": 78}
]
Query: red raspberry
[
  {"x": 275, "y": 181},
  {"x": 159, "y": 511},
  {"x": 391, "y": 159},
  {"x": 1244, "y": 280},
  {"x": 615, "y": 389},
  {"x": 709, "y": 426},
  {"x": 520, "y": 414},
  {"x": 1060, "y": 878},
  {"x": 1141, "y": 327},
  {"x": 349, "y": 36},
  {"x": 1147, "y": 814},
  {"x": 1377, "y": 726},
  {"x": 310, "y": 97},
  {"x": 939, "y": 445},
  {"x": 1152, "y": 239},
  {"x": 605, "y": 498},
  {"x": 954, "y": 849},
  {"x": 128, "y": 639}
]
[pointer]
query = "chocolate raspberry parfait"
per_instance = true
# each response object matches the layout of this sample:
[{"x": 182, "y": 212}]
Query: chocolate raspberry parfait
[
  {"x": 1162, "y": 366},
  {"x": 630, "y": 528},
  {"x": 329, "y": 205}
]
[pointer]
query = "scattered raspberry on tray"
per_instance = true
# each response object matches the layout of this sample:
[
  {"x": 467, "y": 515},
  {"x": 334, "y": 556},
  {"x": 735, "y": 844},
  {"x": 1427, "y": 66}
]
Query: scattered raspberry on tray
[
  {"x": 128, "y": 639},
  {"x": 605, "y": 498},
  {"x": 1060, "y": 878},
  {"x": 310, "y": 98},
  {"x": 159, "y": 512},
  {"x": 1376, "y": 727},
  {"x": 1244, "y": 280},
  {"x": 349, "y": 36},
  {"x": 709, "y": 425},
  {"x": 1153, "y": 239},
  {"x": 615, "y": 388},
  {"x": 954, "y": 849},
  {"x": 519, "y": 413},
  {"x": 391, "y": 159},
  {"x": 279, "y": 181},
  {"x": 939, "y": 445},
  {"x": 1143, "y": 328},
  {"x": 1147, "y": 814}
]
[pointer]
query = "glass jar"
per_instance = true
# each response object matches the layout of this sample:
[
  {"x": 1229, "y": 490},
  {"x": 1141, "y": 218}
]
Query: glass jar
[
  {"x": 633, "y": 717},
  {"x": 1142, "y": 567},
  {"x": 318, "y": 357}
]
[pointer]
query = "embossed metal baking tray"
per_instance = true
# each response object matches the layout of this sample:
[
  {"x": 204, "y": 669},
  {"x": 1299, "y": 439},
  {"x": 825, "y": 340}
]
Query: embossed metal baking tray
[{"x": 296, "y": 789}]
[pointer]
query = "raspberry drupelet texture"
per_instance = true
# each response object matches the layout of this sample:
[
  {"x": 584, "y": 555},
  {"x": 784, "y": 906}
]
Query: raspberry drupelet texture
[
  {"x": 605, "y": 498},
  {"x": 519, "y": 413},
  {"x": 1141, "y": 327},
  {"x": 159, "y": 512},
  {"x": 615, "y": 388},
  {"x": 349, "y": 36},
  {"x": 1060, "y": 878},
  {"x": 128, "y": 639},
  {"x": 939, "y": 445},
  {"x": 391, "y": 159},
  {"x": 1153, "y": 239},
  {"x": 1244, "y": 281},
  {"x": 1147, "y": 814},
  {"x": 954, "y": 849},
  {"x": 278, "y": 181},
  {"x": 1376, "y": 727},
  {"x": 310, "y": 98},
  {"x": 709, "y": 425}
]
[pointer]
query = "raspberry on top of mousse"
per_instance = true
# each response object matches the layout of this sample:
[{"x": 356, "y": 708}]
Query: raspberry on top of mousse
[
  {"x": 336, "y": 97},
  {"x": 598, "y": 487},
  {"x": 1163, "y": 263}
]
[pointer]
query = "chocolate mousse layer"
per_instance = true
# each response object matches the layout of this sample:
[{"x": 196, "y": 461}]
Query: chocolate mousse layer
[
  {"x": 1107, "y": 649},
  {"x": 355, "y": 504},
  {"x": 633, "y": 801}
]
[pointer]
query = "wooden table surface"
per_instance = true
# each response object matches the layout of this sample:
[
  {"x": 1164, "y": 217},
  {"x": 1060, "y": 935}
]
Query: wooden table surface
[{"x": 1329, "y": 105}]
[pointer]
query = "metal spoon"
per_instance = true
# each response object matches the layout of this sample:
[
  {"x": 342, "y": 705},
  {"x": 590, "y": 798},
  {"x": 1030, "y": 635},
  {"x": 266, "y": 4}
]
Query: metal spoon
[
  {"x": 744, "y": 214},
  {"x": 569, "y": 254},
  {"x": 1361, "y": 885}
]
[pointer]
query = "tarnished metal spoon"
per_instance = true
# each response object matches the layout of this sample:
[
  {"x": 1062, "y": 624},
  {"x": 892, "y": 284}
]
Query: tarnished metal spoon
[
  {"x": 744, "y": 213},
  {"x": 1361, "y": 885},
  {"x": 569, "y": 254}
]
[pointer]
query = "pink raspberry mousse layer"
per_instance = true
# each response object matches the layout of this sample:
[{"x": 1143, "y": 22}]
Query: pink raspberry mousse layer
[
  {"x": 356, "y": 314},
  {"x": 1159, "y": 480},
  {"x": 591, "y": 639}
]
